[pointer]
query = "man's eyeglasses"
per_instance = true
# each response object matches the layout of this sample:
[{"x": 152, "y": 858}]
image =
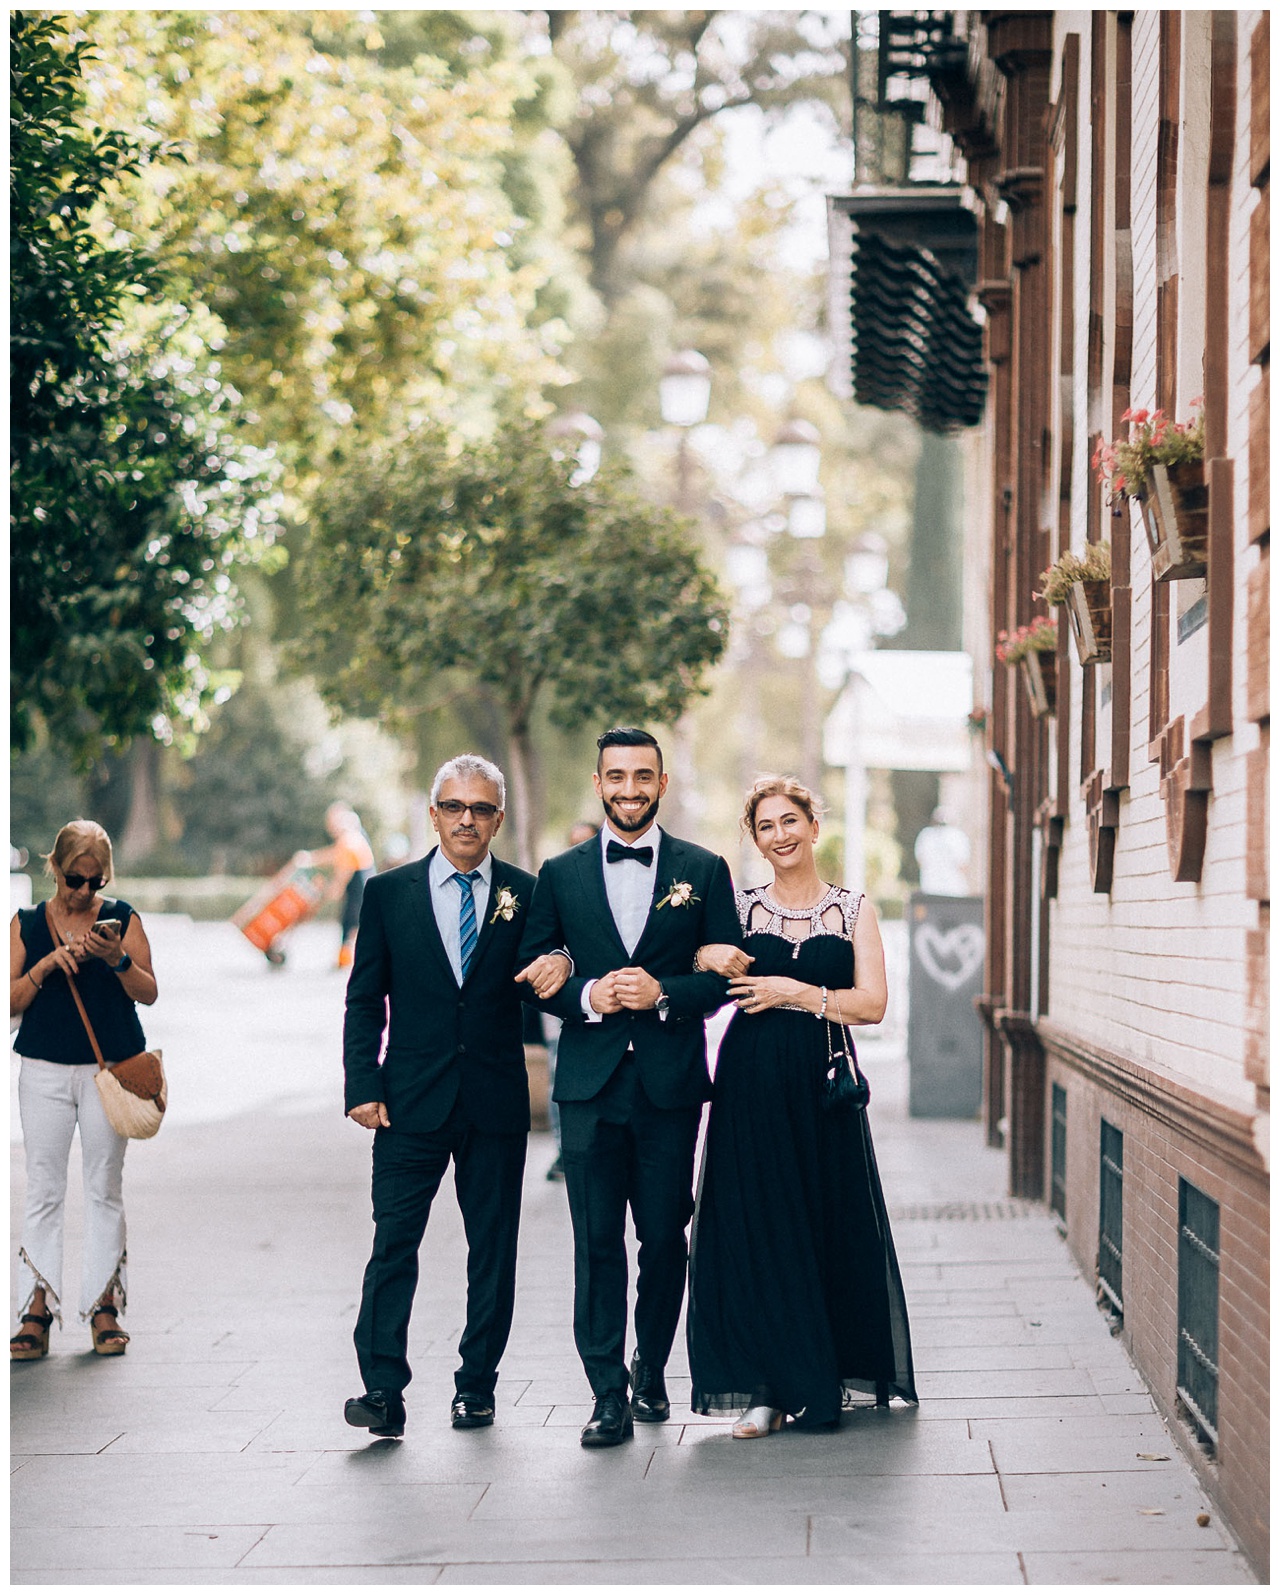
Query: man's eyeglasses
[
  {"x": 94, "y": 882},
  {"x": 479, "y": 811}
]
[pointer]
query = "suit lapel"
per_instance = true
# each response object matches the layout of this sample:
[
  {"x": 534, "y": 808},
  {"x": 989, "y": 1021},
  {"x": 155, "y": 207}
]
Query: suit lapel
[
  {"x": 489, "y": 926},
  {"x": 669, "y": 856},
  {"x": 590, "y": 863},
  {"x": 419, "y": 884}
]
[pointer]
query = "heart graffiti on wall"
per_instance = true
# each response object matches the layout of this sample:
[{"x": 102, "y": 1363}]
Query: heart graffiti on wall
[{"x": 950, "y": 956}]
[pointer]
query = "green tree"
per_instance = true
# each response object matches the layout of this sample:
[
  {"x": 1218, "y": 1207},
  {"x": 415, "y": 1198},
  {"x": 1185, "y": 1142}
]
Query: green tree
[
  {"x": 648, "y": 81},
  {"x": 342, "y": 209},
  {"x": 431, "y": 569},
  {"x": 131, "y": 495}
]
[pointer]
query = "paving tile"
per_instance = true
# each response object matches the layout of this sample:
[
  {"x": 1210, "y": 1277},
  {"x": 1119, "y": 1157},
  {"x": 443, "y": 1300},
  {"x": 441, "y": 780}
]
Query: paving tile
[
  {"x": 1025, "y": 1531},
  {"x": 133, "y": 1548},
  {"x": 667, "y": 1494},
  {"x": 249, "y": 1498},
  {"x": 1172, "y": 1491},
  {"x": 224, "y": 1577},
  {"x": 1136, "y": 1567},
  {"x": 337, "y": 1543},
  {"x": 1004, "y": 1384},
  {"x": 208, "y": 1431},
  {"x": 1072, "y": 1453},
  {"x": 859, "y": 1449},
  {"x": 908, "y": 1569}
]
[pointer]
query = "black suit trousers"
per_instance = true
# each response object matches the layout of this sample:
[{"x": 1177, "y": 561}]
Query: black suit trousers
[
  {"x": 619, "y": 1150},
  {"x": 488, "y": 1173}
]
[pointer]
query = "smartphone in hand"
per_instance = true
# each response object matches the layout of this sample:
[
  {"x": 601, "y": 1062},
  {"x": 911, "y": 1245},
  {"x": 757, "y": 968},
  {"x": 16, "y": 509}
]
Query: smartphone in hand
[{"x": 111, "y": 926}]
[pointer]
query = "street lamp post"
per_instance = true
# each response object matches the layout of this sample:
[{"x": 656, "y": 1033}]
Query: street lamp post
[
  {"x": 796, "y": 462},
  {"x": 582, "y": 436},
  {"x": 684, "y": 396}
]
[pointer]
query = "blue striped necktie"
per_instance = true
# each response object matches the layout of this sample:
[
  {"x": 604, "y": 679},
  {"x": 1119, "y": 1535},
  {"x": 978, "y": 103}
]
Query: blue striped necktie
[{"x": 466, "y": 917}]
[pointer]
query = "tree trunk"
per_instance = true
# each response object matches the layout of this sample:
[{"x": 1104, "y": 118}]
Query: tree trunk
[
  {"x": 520, "y": 800},
  {"x": 142, "y": 828}
]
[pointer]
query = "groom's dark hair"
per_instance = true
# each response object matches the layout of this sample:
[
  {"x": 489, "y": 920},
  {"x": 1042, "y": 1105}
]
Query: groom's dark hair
[{"x": 626, "y": 737}]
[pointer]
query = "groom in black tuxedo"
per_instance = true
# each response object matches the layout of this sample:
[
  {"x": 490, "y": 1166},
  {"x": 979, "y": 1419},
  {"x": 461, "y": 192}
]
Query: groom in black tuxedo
[
  {"x": 632, "y": 906},
  {"x": 438, "y": 947}
]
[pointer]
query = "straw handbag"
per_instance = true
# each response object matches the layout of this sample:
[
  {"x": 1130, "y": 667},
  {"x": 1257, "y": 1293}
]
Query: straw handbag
[{"x": 134, "y": 1091}]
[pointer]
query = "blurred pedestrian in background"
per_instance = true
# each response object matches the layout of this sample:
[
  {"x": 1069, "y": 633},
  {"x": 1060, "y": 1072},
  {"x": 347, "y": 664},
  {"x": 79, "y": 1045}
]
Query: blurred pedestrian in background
[
  {"x": 349, "y": 861},
  {"x": 100, "y": 943},
  {"x": 942, "y": 852},
  {"x": 579, "y": 831}
]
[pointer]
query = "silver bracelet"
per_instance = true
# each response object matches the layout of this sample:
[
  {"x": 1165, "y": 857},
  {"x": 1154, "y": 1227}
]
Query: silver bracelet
[{"x": 822, "y": 1012}]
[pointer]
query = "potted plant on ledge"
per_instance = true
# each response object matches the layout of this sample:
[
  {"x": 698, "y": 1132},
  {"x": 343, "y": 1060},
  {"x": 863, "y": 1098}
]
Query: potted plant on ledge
[
  {"x": 1031, "y": 648},
  {"x": 1082, "y": 583},
  {"x": 1161, "y": 465}
]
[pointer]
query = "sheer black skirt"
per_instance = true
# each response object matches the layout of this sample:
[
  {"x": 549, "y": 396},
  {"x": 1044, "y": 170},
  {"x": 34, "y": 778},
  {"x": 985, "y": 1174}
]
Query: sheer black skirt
[{"x": 795, "y": 1297}]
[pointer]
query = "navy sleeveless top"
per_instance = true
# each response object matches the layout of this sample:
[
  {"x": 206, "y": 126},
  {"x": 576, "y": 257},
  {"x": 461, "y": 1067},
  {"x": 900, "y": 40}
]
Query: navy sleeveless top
[{"x": 52, "y": 1028}]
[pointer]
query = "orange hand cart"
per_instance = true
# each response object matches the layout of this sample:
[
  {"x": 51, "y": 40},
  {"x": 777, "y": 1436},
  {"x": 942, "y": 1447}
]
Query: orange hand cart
[{"x": 289, "y": 897}]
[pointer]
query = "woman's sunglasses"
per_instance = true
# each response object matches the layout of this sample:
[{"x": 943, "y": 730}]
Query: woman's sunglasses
[{"x": 75, "y": 882}]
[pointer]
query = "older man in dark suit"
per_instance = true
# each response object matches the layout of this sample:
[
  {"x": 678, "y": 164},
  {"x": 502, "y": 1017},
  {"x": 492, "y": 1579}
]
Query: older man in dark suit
[{"x": 435, "y": 966}]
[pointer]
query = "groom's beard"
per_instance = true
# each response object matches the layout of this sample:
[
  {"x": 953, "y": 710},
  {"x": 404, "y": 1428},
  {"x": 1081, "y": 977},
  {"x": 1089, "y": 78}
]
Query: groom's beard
[{"x": 630, "y": 824}]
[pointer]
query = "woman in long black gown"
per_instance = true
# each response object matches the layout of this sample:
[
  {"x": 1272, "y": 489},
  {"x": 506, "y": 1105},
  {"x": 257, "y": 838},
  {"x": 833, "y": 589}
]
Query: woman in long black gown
[{"x": 795, "y": 1298}]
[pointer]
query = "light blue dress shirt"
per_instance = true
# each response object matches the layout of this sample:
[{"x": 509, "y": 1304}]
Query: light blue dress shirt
[{"x": 446, "y": 902}]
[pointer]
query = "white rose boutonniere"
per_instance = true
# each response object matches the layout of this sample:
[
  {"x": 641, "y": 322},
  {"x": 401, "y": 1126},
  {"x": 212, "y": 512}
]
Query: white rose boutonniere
[
  {"x": 679, "y": 894},
  {"x": 506, "y": 905}
]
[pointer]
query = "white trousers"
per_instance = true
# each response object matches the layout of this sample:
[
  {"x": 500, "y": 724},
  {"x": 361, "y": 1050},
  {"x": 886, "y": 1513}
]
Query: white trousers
[{"x": 53, "y": 1098}]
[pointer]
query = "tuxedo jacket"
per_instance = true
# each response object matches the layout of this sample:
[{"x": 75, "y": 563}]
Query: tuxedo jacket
[
  {"x": 444, "y": 1043},
  {"x": 571, "y": 910}
]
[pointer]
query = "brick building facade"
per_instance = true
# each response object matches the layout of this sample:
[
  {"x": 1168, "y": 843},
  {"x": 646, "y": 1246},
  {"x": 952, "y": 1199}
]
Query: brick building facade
[{"x": 1118, "y": 166}]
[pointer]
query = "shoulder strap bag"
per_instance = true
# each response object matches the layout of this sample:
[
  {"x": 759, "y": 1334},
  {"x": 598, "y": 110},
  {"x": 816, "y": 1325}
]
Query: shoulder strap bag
[{"x": 134, "y": 1091}]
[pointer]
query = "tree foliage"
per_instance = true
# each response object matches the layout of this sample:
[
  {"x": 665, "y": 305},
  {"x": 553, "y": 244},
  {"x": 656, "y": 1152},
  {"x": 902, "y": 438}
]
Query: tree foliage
[
  {"x": 130, "y": 494},
  {"x": 648, "y": 81},
  {"x": 492, "y": 564},
  {"x": 342, "y": 209}
]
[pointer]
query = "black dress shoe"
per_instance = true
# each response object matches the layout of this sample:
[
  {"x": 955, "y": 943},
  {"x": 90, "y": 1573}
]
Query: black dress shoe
[
  {"x": 649, "y": 1402},
  {"x": 610, "y": 1421},
  {"x": 471, "y": 1412},
  {"x": 379, "y": 1411}
]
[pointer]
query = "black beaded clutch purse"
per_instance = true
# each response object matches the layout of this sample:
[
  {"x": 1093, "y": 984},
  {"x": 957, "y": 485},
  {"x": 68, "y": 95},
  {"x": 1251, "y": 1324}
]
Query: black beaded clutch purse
[{"x": 845, "y": 1085}]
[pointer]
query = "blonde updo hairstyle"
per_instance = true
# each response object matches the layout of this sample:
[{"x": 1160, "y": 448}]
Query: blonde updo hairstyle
[
  {"x": 75, "y": 838},
  {"x": 779, "y": 786}
]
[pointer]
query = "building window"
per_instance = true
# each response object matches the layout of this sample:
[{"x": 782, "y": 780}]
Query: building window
[
  {"x": 1198, "y": 1313},
  {"x": 1111, "y": 1221},
  {"x": 1058, "y": 1154}
]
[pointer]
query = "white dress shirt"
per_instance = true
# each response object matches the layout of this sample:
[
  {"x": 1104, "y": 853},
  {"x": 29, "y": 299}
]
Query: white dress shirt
[
  {"x": 446, "y": 903},
  {"x": 629, "y": 886}
]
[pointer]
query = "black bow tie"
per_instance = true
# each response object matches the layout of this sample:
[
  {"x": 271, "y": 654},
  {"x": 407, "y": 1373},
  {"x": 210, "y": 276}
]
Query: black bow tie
[{"x": 615, "y": 853}]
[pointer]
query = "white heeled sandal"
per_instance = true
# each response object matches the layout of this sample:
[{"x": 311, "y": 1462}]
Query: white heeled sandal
[{"x": 756, "y": 1422}]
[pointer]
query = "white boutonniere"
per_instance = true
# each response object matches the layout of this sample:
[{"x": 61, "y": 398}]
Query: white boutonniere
[
  {"x": 505, "y": 905},
  {"x": 680, "y": 894}
]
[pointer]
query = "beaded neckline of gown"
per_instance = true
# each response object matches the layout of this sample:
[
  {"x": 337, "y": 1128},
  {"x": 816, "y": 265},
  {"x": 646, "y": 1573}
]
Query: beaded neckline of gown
[{"x": 813, "y": 913}]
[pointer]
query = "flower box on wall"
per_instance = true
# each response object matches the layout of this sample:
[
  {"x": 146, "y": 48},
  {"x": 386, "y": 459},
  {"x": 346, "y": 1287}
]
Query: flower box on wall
[
  {"x": 1089, "y": 608},
  {"x": 1175, "y": 512},
  {"x": 1040, "y": 677}
]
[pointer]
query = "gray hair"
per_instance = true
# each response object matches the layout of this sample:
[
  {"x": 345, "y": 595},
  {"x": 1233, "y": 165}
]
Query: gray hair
[{"x": 470, "y": 764}]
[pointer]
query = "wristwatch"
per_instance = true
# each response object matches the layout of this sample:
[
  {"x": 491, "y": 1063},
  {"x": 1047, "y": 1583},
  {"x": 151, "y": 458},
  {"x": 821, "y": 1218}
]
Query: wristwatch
[
  {"x": 663, "y": 1004},
  {"x": 125, "y": 964}
]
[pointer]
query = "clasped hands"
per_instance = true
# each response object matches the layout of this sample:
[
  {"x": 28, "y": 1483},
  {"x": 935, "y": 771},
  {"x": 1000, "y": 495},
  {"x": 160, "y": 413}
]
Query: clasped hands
[
  {"x": 752, "y": 993},
  {"x": 635, "y": 989}
]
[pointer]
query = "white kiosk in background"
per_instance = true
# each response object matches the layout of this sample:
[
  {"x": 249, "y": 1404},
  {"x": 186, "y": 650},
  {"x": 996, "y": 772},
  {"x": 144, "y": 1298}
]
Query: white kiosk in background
[{"x": 909, "y": 710}]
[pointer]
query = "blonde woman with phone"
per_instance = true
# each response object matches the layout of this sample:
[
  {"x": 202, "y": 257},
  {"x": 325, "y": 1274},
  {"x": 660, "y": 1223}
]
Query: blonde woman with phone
[{"x": 98, "y": 942}]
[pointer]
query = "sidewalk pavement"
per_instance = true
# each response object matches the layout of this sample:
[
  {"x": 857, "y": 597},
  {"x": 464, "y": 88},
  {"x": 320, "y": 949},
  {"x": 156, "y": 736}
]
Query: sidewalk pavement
[{"x": 215, "y": 1452}]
